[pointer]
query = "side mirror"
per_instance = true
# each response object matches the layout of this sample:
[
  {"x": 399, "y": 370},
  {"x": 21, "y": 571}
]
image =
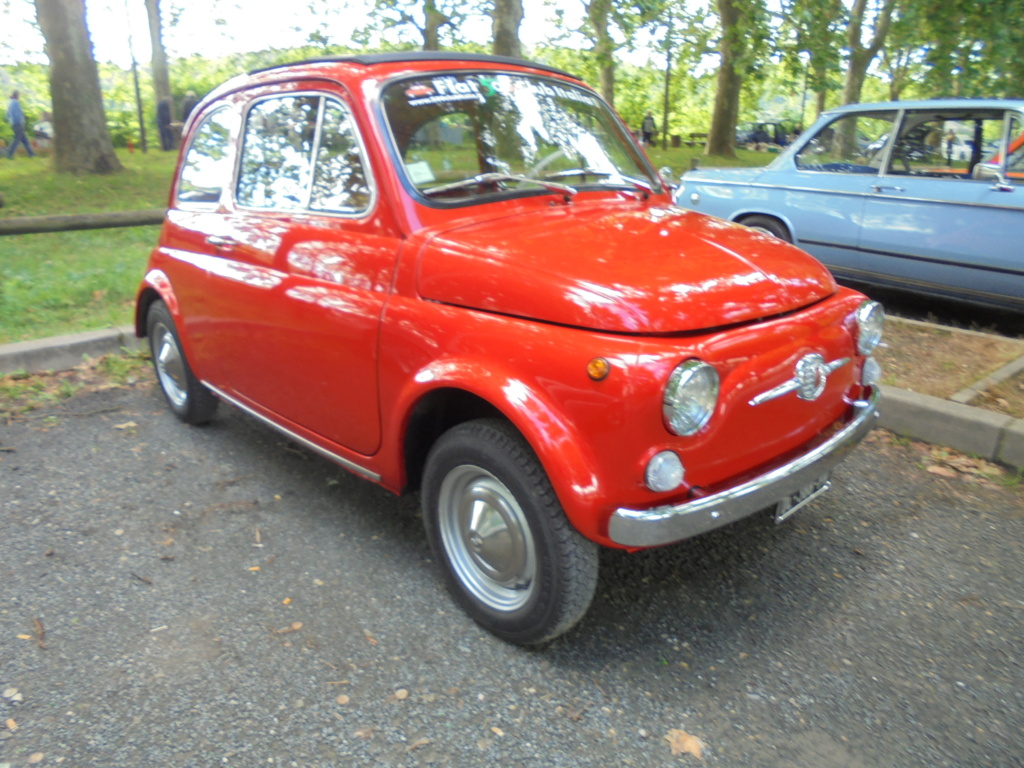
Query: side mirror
[{"x": 670, "y": 177}]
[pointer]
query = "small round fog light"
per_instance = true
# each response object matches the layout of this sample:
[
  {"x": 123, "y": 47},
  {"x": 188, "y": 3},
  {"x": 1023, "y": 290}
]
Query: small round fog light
[
  {"x": 872, "y": 373},
  {"x": 664, "y": 472}
]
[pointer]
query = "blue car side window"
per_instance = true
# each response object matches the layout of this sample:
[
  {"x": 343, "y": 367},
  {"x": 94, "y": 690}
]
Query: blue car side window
[
  {"x": 947, "y": 144},
  {"x": 849, "y": 144}
]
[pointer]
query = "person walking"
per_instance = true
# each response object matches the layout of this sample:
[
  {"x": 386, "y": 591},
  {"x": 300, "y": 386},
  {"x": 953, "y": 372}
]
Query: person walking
[
  {"x": 647, "y": 130},
  {"x": 16, "y": 117}
]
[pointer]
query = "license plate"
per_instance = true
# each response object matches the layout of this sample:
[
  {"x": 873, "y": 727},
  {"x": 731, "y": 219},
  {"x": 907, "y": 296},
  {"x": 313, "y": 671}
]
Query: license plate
[{"x": 795, "y": 501}]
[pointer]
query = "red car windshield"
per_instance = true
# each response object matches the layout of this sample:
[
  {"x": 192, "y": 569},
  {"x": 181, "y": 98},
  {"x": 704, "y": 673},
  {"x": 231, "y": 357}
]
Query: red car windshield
[{"x": 463, "y": 135}]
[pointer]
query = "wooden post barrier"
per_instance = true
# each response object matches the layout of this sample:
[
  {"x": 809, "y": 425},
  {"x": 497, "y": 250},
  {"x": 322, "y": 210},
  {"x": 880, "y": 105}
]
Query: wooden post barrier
[{"x": 32, "y": 225}]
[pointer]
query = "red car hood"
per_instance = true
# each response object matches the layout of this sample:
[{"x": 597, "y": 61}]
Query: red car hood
[{"x": 620, "y": 267}]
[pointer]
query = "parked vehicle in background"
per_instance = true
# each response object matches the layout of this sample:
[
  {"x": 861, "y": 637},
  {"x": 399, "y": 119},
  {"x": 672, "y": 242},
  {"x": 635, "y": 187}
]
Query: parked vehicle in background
[
  {"x": 764, "y": 133},
  {"x": 924, "y": 196},
  {"x": 459, "y": 274}
]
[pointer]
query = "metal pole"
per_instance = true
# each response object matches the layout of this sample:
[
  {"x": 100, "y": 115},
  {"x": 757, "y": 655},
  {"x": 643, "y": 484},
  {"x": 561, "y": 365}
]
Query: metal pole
[{"x": 135, "y": 77}]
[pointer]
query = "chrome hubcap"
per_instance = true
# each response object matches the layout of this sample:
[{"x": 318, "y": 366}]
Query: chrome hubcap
[
  {"x": 486, "y": 538},
  {"x": 170, "y": 365}
]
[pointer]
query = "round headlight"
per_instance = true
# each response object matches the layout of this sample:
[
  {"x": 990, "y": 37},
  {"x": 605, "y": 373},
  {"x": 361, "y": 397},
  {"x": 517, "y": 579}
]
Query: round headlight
[
  {"x": 690, "y": 397},
  {"x": 870, "y": 323}
]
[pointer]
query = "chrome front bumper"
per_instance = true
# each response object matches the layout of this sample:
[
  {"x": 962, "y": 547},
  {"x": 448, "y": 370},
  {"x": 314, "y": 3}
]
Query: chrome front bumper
[{"x": 664, "y": 525}]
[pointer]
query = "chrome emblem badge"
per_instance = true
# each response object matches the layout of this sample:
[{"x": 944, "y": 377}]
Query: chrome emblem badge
[
  {"x": 811, "y": 376},
  {"x": 809, "y": 380}
]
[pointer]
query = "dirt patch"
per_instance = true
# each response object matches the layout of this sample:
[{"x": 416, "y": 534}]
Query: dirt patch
[
  {"x": 21, "y": 394},
  {"x": 1006, "y": 397},
  {"x": 942, "y": 361}
]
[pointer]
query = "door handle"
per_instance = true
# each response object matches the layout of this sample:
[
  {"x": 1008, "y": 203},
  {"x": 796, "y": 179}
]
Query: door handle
[
  {"x": 880, "y": 187},
  {"x": 221, "y": 242}
]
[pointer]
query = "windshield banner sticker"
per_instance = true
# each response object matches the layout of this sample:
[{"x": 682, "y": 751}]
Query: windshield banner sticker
[{"x": 448, "y": 88}]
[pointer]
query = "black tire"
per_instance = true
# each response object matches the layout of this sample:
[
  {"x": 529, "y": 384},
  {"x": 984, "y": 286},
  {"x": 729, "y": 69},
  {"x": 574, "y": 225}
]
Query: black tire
[
  {"x": 509, "y": 555},
  {"x": 768, "y": 225},
  {"x": 187, "y": 397}
]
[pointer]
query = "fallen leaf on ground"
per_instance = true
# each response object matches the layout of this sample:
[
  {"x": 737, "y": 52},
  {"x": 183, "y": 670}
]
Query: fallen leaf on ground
[
  {"x": 935, "y": 469},
  {"x": 11, "y": 725},
  {"x": 126, "y": 425},
  {"x": 40, "y": 635},
  {"x": 343, "y": 699},
  {"x": 417, "y": 744},
  {"x": 682, "y": 743},
  {"x": 497, "y": 731}
]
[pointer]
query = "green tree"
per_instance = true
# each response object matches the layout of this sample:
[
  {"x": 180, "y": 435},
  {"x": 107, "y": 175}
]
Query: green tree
[
  {"x": 744, "y": 33},
  {"x": 809, "y": 40},
  {"x": 866, "y": 31},
  {"x": 428, "y": 18},
  {"x": 81, "y": 140},
  {"x": 610, "y": 25},
  {"x": 506, "y": 17},
  {"x": 161, "y": 72}
]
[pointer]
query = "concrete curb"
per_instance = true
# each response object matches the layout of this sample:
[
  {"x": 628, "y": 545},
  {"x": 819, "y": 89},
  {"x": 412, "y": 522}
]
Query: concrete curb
[
  {"x": 62, "y": 352},
  {"x": 985, "y": 434}
]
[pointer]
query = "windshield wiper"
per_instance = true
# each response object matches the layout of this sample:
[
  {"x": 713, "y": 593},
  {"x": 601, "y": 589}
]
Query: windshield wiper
[
  {"x": 644, "y": 186},
  {"x": 576, "y": 172},
  {"x": 495, "y": 178},
  {"x": 612, "y": 178}
]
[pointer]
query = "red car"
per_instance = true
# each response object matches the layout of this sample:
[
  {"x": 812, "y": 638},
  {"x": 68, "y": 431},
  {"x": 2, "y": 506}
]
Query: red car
[{"x": 459, "y": 274}]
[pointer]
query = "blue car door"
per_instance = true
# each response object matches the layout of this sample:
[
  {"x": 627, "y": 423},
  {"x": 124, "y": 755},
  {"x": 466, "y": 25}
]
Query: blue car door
[
  {"x": 835, "y": 171},
  {"x": 935, "y": 221}
]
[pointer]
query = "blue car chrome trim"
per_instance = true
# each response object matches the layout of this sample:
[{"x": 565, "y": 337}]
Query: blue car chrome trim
[
  {"x": 666, "y": 524},
  {"x": 349, "y": 465},
  {"x": 912, "y": 257},
  {"x": 871, "y": 195}
]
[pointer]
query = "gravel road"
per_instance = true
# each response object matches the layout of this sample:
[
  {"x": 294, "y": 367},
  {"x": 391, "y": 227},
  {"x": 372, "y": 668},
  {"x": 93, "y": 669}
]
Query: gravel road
[{"x": 178, "y": 596}]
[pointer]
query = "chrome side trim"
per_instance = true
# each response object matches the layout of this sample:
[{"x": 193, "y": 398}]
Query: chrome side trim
[
  {"x": 809, "y": 382},
  {"x": 664, "y": 525},
  {"x": 349, "y": 465},
  {"x": 848, "y": 193}
]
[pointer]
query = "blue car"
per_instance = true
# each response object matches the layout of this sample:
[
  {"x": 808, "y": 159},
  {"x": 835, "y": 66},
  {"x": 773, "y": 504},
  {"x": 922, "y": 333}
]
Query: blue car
[{"x": 922, "y": 196}]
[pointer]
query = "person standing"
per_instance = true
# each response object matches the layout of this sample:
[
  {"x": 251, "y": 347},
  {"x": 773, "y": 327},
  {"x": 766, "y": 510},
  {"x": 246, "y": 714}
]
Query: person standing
[
  {"x": 163, "y": 124},
  {"x": 647, "y": 130},
  {"x": 16, "y": 117},
  {"x": 187, "y": 105}
]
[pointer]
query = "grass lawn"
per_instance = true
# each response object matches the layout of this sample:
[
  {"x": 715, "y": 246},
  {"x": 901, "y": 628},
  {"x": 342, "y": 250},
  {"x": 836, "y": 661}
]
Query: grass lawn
[
  {"x": 52, "y": 284},
  {"x": 65, "y": 282},
  {"x": 31, "y": 188}
]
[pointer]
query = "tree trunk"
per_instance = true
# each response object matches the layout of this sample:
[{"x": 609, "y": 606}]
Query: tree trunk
[
  {"x": 598, "y": 16},
  {"x": 434, "y": 20},
  {"x": 81, "y": 139},
  {"x": 161, "y": 78},
  {"x": 722, "y": 134},
  {"x": 856, "y": 74},
  {"x": 506, "y": 18},
  {"x": 862, "y": 55}
]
